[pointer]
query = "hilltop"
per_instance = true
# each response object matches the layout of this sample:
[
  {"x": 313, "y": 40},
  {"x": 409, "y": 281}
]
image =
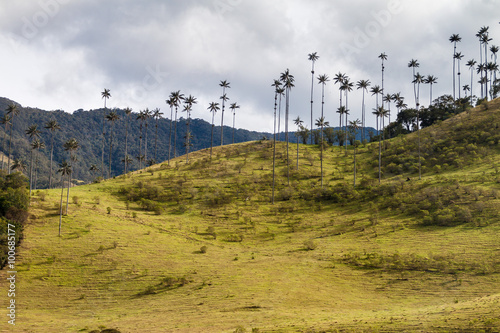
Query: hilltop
[{"x": 199, "y": 247}]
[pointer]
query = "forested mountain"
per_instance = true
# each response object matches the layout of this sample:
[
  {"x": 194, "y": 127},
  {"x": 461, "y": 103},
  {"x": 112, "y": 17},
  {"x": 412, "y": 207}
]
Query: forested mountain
[{"x": 87, "y": 127}]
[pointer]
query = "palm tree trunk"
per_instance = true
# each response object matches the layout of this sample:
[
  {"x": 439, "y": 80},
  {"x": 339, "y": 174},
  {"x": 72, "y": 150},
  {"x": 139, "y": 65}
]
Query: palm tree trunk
[
  {"x": 274, "y": 145},
  {"x": 286, "y": 134},
  {"x": 31, "y": 171},
  {"x": 175, "y": 134},
  {"x": 234, "y": 122},
  {"x": 110, "y": 148},
  {"x": 103, "y": 141},
  {"x": 4, "y": 144},
  {"x": 146, "y": 144},
  {"x": 140, "y": 149},
  {"x": 354, "y": 164},
  {"x": 212, "y": 135},
  {"x": 125, "y": 160},
  {"x": 170, "y": 135},
  {"x": 321, "y": 153},
  {"x": 51, "y": 158},
  {"x": 61, "y": 205},
  {"x": 67, "y": 194},
  {"x": 36, "y": 169},
  {"x": 379, "y": 154},
  {"x": 10, "y": 145},
  {"x": 363, "y": 118},
  {"x": 312, "y": 99}
]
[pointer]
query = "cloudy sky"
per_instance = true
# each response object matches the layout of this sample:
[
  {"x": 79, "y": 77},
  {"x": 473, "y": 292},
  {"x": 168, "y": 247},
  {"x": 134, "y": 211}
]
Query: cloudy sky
[{"x": 60, "y": 54}]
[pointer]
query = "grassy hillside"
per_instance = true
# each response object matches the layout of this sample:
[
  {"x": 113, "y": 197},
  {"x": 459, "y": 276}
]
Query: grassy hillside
[{"x": 199, "y": 247}]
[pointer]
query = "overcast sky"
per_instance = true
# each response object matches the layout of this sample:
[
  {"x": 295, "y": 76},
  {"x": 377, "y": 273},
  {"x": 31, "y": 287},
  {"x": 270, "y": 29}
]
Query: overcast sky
[{"x": 60, "y": 54}]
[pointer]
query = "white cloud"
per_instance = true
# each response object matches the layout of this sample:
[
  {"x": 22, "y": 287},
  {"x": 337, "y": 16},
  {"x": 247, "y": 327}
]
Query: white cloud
[{"x": 62, "y": 53}]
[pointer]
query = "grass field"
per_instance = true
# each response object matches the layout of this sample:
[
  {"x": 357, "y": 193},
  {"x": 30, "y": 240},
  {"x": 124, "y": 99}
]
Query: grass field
[{"x": 199, "y": 247}]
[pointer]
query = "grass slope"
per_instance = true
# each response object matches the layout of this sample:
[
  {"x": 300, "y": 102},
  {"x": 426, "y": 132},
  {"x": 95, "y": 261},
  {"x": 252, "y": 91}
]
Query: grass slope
[{"x": 198, "y": 247}]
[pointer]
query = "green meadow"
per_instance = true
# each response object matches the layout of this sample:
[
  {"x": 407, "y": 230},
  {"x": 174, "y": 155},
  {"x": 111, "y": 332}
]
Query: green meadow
[{"x": 200, "y": 247}]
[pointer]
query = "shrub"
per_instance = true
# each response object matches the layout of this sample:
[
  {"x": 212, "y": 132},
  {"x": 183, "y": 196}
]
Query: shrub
[
  {"x": 310, "y": 245},
  {"x": 108, "y": 209},
  {"x": 203, "y": 249}
]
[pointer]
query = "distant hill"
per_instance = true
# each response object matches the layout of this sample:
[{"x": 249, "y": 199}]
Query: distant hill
[{"x": 86, "y": 128}]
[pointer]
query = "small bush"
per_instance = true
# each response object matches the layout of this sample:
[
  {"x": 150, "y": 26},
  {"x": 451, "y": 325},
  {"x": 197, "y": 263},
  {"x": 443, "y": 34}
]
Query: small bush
[
  {"x": 203, "y": 249},
  {"x": 108, "y": 209},
  {"x": 310, "y": 245}
]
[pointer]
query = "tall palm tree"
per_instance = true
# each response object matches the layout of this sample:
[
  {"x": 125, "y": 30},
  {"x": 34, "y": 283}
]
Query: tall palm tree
[
  {"x": 33, "y": 133},
  {"x": 383, "y": 57},
  {"x": 37, "y": 145},
  {"x": 455, "y": 38},
  {"x": 147, "y": 115},
  {"x": 233, "y": 108},
  {"x": 105, "y": 95},
  {"x": 94, "y": 169},
  {"x": 339, "y": 79},
  {"x": 64, "y": 170},
  {"x": 281, "y": 93},
  {"x": 491, "y": 68},
  {"x": 341, "y": 111},
  {"x": 71, "y": 145},
  {"x": 6, "y": 120},
  {"x": 430, "y": 80},
  {"x": 52, "y": 126},
  {"x": 322, "y": 79},
  {"x": 141, "y": 117},
  {"x": 471, "y": 64},
  {"x": 276, "y": 85},
  {"x": 278, "y": 90},
  {"x": 418, "y": 80},
  {"x": 19, "y": 164},
  {"x": 321, "y": 123},
  {"x": 157, "y": 115},
  {"x": 171, "y": 104},
  {"x": 224, "y": 84},
  {"x": 12, "y": 111},
  {"x": 347, "y": 87},
  {"x": 112, "y": 117},
  {"x": 466, "y": 88},
  {"x": 363, "y": 84},
  {"x": 379, "y": 113},
  {"x": 414, "y": 64},
  {"x": 188, "y": 107},
  {"x": 213, "y": 107},
  {"x": 126, "y": 160},
  {"x": 354, "y": 126},
  {"x": 494, "y": 50},
  {"x": 458, "y": 56},
  {"x": 313, "y": 57},
  {"x": 387, "y": 99},
  {"x": 177, "y": 99},
  {"x": 287, "y": 79},
  {"x": 482, "y": 34},
  {"x": 298, "y": 122}
]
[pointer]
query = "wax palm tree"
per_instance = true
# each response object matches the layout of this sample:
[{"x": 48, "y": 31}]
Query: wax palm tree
[
  {"x": 37, "y": 145},
  {"x": 112, "y": 117},
  {"x": 128, "y": 111},
  {"x": 233, "y": 108},
  {"x": 105, "y": 95},
  {"x": 387, "y": 99},
  {"x": 354, "y": 127},
  {"x": 287, "y": 79},
  {"x": 379, "y": 113},
  {"x": 71, "y": 146},
  {"x": 339, "y": 79},
  {"x": 383, "y": 57},
  {"x": 321, "y": 123},
  {"x": 213, "y": 107},
  {"x": 188, "y": 107},
  {"x": 147, "y": 114},
  {"x": 491, "y": 68},
  {"x": 480, "y": 34},
  {"x": 171, "y": 104},
  {"x": 471, "y": 64},
  {"x": 142, "y": 118},
  {"x": 157, "y": 115},
  {"x": 52, "y": 126},
  {"x": 32, "y": 132},
  {"x": 418, "y": 80},
  {"x": 484, "y": 40},
  {"x": 347, "y": 87},
  {"x": 430, "y": 80},
  {"x": 466, "y": 88},
  {"x": 276, "y": 85},
  {"x": 6, "y": 120},
  {"x": 19, "y": 164},
  {"x": 64, "y": 170},
  {"x": 281, "y": 93},
  {"x": 94, "y": 169},
  {"x": 225, "y": 85},
  {"x": 313, "y": 57},
  {"x": 455, "y": 38},
  {"x": 458, "y": 56},
  {"x": 177, "y": 99},
  {"x": 363, "y": 84},
  {"x": 494, "y": 50},
  {"x": 322, "y": 79},
  {"x": 414, "y": 64},
  {"x": 12, "y": 111},
  {"x": 298, "y": 122},
  {"x": 341, "y": 111}
]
